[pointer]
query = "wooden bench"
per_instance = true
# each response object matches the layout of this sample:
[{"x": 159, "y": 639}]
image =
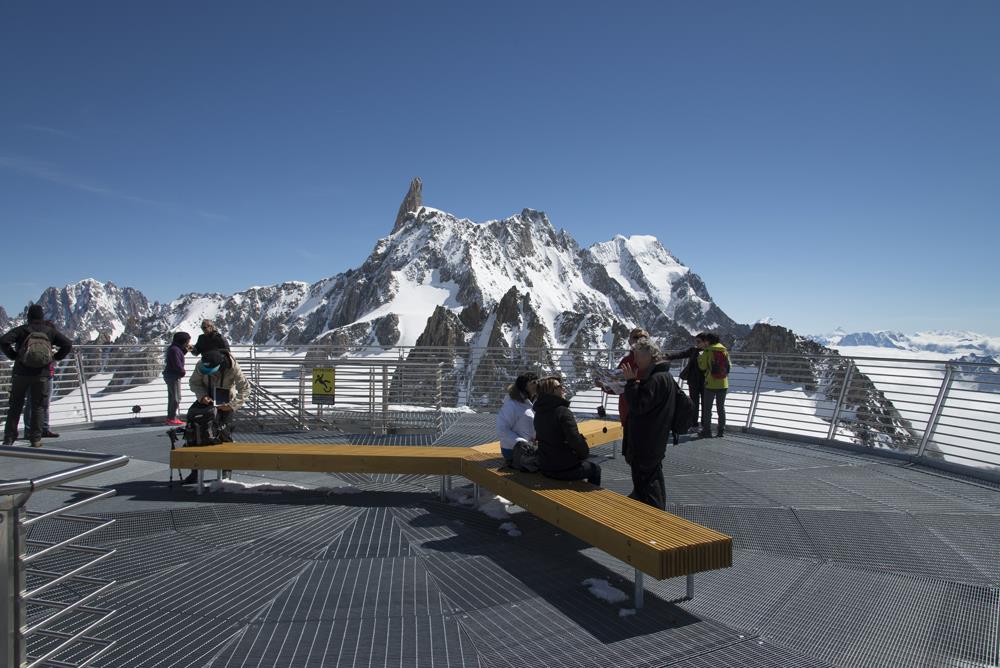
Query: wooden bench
[{"x": 654, "y": 542}]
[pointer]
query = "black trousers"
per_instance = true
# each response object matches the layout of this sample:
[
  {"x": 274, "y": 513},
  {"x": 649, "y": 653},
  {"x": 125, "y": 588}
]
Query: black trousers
[
  {"x": 719, "y": 396},
  {"x": 588, "y": 471},
  {"x": 648, "y": 484},
  {"x": 696, "y": 393},
  {"x": 45, "y": 411},
  {"x": 19, "y": 387}
]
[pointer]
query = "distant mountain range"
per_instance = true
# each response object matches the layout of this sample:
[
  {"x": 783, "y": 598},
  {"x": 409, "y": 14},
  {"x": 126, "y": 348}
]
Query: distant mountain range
[
  {"x": 952, "y": 343},
  {"x": 437, "y": 280}
]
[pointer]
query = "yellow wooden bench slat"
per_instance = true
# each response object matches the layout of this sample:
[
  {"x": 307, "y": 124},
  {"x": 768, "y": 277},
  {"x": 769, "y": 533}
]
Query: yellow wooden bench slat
[
  {"x": 322, "y": 458},
  {"x": 598, "y": 432}
]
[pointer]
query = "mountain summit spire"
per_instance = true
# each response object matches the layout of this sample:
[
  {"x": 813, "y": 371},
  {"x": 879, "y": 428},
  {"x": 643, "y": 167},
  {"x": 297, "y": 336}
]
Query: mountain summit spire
[{"x": 412, "y": 202}]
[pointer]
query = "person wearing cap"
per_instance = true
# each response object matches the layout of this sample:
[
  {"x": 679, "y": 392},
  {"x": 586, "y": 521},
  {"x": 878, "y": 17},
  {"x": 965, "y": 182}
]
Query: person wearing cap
[
  {"x": 209, "y": 339},
  {"x": 218, "y": 380},
  {"x": 30, "y": 348},
  {"x": 515, "y": 421}
]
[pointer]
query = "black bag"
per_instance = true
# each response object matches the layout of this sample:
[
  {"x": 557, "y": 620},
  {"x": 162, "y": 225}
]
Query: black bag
[
  {"x": 525, "y": 457},
  {"x": 202, "y": 426},
  {"x": 683, "y": 412}
]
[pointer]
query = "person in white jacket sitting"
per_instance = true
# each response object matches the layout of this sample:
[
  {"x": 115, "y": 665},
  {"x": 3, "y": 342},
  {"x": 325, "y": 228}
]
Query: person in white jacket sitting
[{"x": 515, "y": 421}]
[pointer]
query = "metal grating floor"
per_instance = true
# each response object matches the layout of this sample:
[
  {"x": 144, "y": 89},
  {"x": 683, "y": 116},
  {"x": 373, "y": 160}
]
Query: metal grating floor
[{"x": 841, "y": 559}]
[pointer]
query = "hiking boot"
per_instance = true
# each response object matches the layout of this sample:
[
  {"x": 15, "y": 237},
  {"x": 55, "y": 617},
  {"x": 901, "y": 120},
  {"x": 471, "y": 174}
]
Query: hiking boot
[
  {"x": 36, "y": 444},
  {"x": 720, "y": 433},
  {"x": 8, "y": 441},
  {"x": 704, "y": 433},
  {"x": 49, "y": 434},
  {"x": 191, "y": 478}
]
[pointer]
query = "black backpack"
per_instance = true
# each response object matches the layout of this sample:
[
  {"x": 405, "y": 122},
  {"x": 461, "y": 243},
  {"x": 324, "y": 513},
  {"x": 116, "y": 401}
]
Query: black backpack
[
  {"x": 202, "y": 426},
  {"x": 35, "y": 351},
  {"x": 683, "y": 412},
  {"x": 525, "y": 457}
]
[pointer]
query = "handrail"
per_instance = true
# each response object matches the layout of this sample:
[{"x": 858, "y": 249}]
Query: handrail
[{"x": 16, "y": 563}]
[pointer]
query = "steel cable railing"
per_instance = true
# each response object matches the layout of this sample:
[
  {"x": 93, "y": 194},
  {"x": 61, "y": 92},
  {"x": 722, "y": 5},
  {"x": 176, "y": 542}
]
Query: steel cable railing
[{"x": 943, "y": 410}]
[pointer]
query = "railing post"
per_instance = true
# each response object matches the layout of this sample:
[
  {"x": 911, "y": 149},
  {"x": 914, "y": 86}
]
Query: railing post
[
  {"x": 88, "y": 411},
  {"x": 255, "y": 375},
  {"x": 385, "y": 398},
  {"x": 935, "y": 415},
  {"x": 438, "y": 385},
  {"x": 848, "y": 377},
  {"x": 12, "y": 582},
  {"x": 756, "y": 390},
  {"x": 302, "y": 396}
]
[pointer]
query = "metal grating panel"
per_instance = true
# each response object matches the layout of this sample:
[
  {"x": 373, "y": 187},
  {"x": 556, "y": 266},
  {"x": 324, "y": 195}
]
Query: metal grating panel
[
  {"x": 359, "y": 588},
  {"x": 975, "y": 536},
  {"x": 470, "y": 429},
  {"x": 223, "y": 584},
  {"x": 374, "y": 534},
  {"x": 713, "y": 489},
  {"x": 752, "y": 653},
  {"x": 854, "y": 617},
  {"x": 580, "y": 630},
  {"x": 802, "y": 488},
  {"x": 151, "y": 639},
  {"x": 886, "y": 541},
  {"x": 405, "y": 641},
  {"x": 773, "y": 529}
]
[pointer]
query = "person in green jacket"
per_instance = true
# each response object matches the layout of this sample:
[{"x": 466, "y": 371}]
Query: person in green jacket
[{"x": 714, "y": 363}]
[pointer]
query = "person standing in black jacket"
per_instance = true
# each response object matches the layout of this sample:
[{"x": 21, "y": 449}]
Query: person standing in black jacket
[
  {"x": 209, "y": 339},
  {"x": 651, "y": 396},
  {"x": 694, "y": 377},
  {"x": 562, "y": 449},
  {"x": 30, "y": 348}
]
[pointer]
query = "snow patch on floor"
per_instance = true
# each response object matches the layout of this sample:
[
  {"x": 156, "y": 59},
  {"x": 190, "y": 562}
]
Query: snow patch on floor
[
  {"x": 511, "y": 529},
  {"x": 603, "y": 590},
  {"x": 235, "y": 487}
]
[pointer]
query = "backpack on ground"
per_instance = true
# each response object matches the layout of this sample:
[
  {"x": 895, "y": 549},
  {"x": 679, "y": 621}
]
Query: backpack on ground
[
  {"x": 202, "y": 426},
  {"x": 36, "y": 351},
  {"x": 719, "y": 364},
  {"x": 525, "y": 457},
  {"x": 683, "y": 412}
]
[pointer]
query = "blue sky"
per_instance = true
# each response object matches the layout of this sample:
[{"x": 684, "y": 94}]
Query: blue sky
[{"x": 824, "y": 164}]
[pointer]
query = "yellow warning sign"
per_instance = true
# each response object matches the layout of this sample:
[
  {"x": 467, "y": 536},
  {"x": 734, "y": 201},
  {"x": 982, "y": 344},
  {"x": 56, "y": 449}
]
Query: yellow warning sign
[{"x": 324, "y": 385}]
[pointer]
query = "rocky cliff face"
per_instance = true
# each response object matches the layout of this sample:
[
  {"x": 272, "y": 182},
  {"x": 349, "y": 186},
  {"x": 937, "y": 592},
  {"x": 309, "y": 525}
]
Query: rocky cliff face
[{"x": 867, "y": 414}]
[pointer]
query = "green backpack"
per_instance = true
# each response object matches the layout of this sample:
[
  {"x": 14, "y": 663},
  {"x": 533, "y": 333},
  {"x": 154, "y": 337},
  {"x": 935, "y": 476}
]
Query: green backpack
[{"x": 36, "y": 351}]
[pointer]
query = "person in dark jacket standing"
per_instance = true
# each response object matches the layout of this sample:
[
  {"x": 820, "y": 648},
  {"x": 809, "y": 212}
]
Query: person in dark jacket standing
[
  {"x": 209, "y": 339},
  {"x": 30, "y": 347},
  {"x": 173, "y": 371},
  {"x": 627, "y": 362},
  {"x": 651, "y": 396},
  {"x": 562, "y": 449},
  {"x": 693, "y": 376}
]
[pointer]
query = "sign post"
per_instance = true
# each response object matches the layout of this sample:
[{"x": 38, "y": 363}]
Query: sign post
[{"x": 324, "y": 382}]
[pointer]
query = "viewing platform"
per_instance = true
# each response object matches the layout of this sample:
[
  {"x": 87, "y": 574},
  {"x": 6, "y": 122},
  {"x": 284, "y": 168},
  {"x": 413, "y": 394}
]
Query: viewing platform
[{"x": 842, "y": 554}]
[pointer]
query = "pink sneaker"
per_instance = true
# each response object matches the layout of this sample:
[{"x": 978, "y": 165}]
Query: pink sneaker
[{"x": 175, "y": 422}]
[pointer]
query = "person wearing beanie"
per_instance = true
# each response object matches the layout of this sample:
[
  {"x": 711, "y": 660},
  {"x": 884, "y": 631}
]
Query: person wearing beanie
[
  {"x": 173, "y": 371},
  {"x": 30, "y": 348}
]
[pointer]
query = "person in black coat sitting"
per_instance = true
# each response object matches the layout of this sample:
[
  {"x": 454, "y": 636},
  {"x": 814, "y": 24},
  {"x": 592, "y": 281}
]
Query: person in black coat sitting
[
  {"x": 651, "y": 395},
  {"x": 562, "y": 449},
  {"x": 210, "y": 339}
]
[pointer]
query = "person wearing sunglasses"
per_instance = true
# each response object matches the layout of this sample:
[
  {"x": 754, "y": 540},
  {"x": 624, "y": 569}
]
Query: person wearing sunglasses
[{"x": 562, "y": 449}]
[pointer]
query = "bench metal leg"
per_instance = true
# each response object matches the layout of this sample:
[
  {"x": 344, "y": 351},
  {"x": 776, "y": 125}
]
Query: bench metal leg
[
  {"x": 443, "y": 495},
  {"x": 690, "y": 587},
  {"x": 201, "y": 481},
  {"x": 639, "y": 589},
  {"x": 218, "y": 474},
  {"x": 475, "y": 492}
]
